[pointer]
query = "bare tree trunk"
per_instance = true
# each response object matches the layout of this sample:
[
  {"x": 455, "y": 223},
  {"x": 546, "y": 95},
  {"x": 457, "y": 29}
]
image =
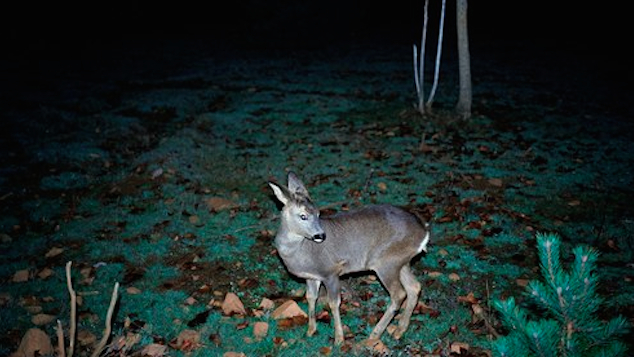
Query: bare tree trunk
[
  {"x": 441, "y": 30},
  {"x": 463, "y": 107}
]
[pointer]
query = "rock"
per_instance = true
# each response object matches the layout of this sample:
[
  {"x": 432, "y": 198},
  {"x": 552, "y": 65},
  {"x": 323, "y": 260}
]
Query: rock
[
  {"x": 35, "y": 342},
  {"x": 232, "y": 305},
  {"x": 288, "y": 309}
]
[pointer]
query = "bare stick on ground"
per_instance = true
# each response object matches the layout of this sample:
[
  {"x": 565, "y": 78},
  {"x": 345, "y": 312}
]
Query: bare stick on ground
[
  {"x": 73, "y": 310},
  {"x": 108, "y": 330}
]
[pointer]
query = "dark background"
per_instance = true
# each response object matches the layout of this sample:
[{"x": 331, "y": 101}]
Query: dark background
[{"x": 58, "y": 28}]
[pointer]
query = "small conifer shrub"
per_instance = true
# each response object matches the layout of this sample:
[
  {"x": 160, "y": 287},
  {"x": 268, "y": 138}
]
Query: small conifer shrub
[{"x": 570, "y": 302}]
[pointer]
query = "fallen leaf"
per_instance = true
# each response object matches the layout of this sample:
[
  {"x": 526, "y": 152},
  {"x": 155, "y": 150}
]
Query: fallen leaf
[
  {"x": 326, "y": 350},
  {"x": 216, "y": 204},
  {"x": 266, "y": 304},
  {"x": 291, "y": 322},
  {"x": 288, "y": 309},
  {"x": 522, "y": 282},
  {"x": 260, "y": 329},
  {"x": 187, "y": 341},
  {"x": 469, "y": 298},
  {"x": 496, "y": 182},
  {"x": 133, "y": 290},
  {"x": 42, "y": 319},
  {"x": 376, "y": 346},
  {"x": 454, "y": 277},
  {"x": 234, "y": 354},
  {"x": 458, "y": 347},
  {"x": 86, "y": 338},
  {"x": 154, "y": 350},
  {"x": 35, "y": 342},
  {"x": 53, "y": 252},
  {"x": 232, "y": 305},
  {"x": 45, "y": 273},
  {"x": 21, "y": 276},
  {"x": 434, "y": 274},
  {"x": 574, "y": 203},
  {"x": 382, "y": 186}
]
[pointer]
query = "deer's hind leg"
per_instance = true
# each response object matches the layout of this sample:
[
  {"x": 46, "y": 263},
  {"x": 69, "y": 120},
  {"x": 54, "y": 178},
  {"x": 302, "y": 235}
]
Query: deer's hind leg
[
  {"x": 412, "y": 287},
  {"x": 389, "y": 276}
]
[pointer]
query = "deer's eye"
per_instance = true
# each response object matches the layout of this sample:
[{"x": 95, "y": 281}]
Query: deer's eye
[{"x": 303, "y": 216}]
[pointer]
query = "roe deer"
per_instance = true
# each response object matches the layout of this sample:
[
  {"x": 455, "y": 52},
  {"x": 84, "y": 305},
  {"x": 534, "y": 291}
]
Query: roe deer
[{"x": 380, "y": 238}]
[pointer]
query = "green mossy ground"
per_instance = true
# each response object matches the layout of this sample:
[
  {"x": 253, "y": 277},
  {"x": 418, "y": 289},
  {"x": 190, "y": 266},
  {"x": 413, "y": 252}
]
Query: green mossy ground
[{"x": 119, "y": 176}]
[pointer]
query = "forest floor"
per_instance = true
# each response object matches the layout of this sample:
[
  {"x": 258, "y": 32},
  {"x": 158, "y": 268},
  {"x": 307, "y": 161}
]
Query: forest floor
[{"x": 153, "y": 173}]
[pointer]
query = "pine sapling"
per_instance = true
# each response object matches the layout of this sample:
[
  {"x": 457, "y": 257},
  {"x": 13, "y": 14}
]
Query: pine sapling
[{"x": 569, "y": 298}]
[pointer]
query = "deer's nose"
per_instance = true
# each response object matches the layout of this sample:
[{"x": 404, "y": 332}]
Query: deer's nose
[{"x": 318, "y": 238}]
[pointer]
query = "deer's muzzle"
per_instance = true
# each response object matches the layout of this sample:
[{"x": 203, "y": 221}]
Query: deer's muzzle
[{"x": 318, "y": 238}]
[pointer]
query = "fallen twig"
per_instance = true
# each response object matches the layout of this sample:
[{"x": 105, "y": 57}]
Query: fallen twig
[
  {"x": 73, "y": 310},
  {"x": 108, "y": 330}
]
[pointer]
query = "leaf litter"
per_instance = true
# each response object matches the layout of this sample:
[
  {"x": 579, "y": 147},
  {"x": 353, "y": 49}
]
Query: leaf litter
[{"x": 165, "y": 191}]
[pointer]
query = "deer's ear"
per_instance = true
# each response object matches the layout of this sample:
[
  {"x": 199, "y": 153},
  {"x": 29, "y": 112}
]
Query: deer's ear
[
  {"x": 296, "y": 186},
  {"x": 280, "y": 192}
]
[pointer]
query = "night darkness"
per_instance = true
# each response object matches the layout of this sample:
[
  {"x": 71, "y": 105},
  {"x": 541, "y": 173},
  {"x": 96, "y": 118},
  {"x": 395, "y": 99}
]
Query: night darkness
[{"x": 137, "y": 140}]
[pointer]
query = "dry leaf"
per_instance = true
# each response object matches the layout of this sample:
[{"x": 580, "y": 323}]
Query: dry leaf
[
  {"x": 288, "y": 309},
  {"x": 496, "y": 182},
  {"x": 45, "y": 273},
  {"x": 187, "y": 340},
  {"x": 454, "y": 277},
  {"x": 216, "y": 204},
  {"x": 458, "y": 347},
  {"x": 42, "y": 319},
  {"x": 260, "y": 329},
  {"x": 55, "y": 251},
  {"x": 154, "y": 350},
  {"x": 232, "y": 305},
  {"x": 133, "y": 290},
  {"x": 35, "y": 342},
  {"x": 382, "y": 186},
  {"x": 21, "y": 276},
  {"x": 266, "y": 304},
  {"x": 234, "y": 354},
  {"x": 434, "y": 274},
  {"x": 443, "y": 252},
  {"x": 469, "y": 298},
  {"x": 86, "y": 338},
  {"x": 522, "y": 282},
  {"x": 376, "y": 346}
]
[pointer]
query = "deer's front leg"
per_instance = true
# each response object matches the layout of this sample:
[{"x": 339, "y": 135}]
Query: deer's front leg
[
  {"x": 334, "y": 300},
  {"x": 312, "y": 293}
]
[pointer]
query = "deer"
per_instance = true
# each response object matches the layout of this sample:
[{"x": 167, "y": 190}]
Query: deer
[{"x": 377, "y": 238}]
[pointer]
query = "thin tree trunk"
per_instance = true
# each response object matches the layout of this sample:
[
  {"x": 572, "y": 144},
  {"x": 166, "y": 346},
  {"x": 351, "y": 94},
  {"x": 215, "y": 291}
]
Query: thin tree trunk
[
  {"x": 441, "y": 30},
  {"x": 463, "y": 107},
  {"x": 419, "y": 63}
]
